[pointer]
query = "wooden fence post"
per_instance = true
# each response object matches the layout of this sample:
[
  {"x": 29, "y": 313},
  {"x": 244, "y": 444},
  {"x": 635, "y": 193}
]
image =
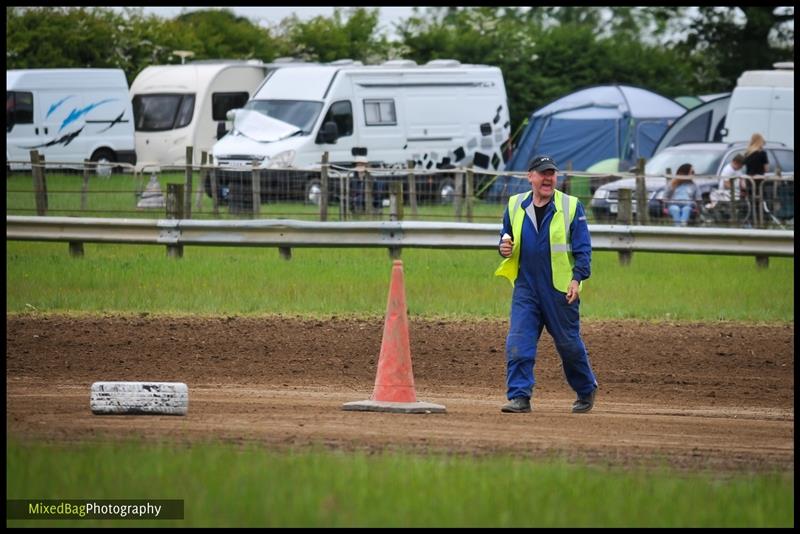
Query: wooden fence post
[
  {"x": 624, "y": 218},
  {"x": 175, "y": 204},
  {"x": 369, "y": 196},
  {"x": 395, "y": 211},
  {"x": 40, "y": 195},
  {"x": 256, "y": 190},
  {"x": 87, "y": 166},
  {"x": 198, "y": 196},
  {"x": 323, "y": 197},
  {"x": 469, "y": 192},
  {"x": 642, "y": 215},
  {"x": 187, "y": 200},
  {"x": 458, "y": 195},
  {"x": 412, "y": 188},
  {"x": 214, "y": 192}
]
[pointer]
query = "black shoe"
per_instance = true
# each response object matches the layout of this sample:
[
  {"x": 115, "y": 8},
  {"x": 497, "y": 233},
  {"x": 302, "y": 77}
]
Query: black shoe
[
  {"x": 517, "y": 405},
  {"x": 584, "y": 404}
]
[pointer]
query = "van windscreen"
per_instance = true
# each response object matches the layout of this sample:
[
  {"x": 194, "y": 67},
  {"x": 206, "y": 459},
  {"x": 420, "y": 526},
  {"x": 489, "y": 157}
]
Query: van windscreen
[
  {"x": 300, "y": 113},
  {"x": 160, "y": 112}
]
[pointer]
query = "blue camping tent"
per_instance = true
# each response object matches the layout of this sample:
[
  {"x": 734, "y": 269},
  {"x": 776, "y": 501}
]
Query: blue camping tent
[{"x": 590, "y": 125}]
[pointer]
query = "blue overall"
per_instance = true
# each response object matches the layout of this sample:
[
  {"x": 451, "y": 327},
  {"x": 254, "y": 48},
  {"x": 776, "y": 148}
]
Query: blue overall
[{"x": 537, "y": 304}]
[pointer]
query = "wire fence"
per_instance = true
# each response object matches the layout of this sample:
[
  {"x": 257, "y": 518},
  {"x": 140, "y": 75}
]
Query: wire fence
[{"x": 334, "y": 193}]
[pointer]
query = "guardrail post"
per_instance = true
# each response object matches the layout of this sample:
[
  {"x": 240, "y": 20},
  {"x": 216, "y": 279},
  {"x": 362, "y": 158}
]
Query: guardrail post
[
  {"x": 762, "y": 262},
  {"x": 285, "y": 252},
  {"x": 87, "y": 165},
  {"x": 469, "y": 192},
  {"x": 256, "y": 190},
  {"x": 624, "y": 218},
  {"x": 76, "y": 249},
  {"x": 175, "y": 204},
  {"x": 198, "y": 196},
  {"x": 642, "y": 215},
  {"x": 412, "y": 188},
  {"x": 187, "y": 200},
  {"x": 458, "y": 195}
]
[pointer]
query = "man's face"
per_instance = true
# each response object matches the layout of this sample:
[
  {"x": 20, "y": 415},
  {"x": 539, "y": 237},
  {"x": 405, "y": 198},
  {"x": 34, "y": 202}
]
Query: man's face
[{"x": 543, "y": 182}]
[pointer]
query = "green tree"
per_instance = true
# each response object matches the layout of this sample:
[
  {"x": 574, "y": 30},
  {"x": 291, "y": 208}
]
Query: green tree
[
  {"x": 220, "y": 34},
  {"x": 41, "y": 37},
  {"x": 731, "y": 46},
  {"x": 328, "y": 39}
]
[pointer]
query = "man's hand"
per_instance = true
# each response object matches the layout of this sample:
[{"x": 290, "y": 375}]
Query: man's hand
[
  {"x": 572, "y": 291},
  {"x": 505, "y": 248}
]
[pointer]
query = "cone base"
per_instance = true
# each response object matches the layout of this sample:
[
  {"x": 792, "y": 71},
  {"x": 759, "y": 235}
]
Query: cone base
[{"x": 396, "y": 407}]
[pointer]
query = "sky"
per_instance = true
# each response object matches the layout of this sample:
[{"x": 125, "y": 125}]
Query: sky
[{"x": 272, "y": 15}]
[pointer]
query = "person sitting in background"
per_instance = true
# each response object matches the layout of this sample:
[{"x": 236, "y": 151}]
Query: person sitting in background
[
  {"x": 733, "y": 169},
  {"x": 681, "y": 195}
]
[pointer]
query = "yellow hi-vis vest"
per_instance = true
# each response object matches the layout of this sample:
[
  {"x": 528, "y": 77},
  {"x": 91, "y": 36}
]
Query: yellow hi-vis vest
[{"x": 561, "y": 259}]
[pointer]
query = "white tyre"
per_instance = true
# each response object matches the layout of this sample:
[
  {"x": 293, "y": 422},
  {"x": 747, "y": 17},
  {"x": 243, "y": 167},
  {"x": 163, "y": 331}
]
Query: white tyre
[{"x": 142, "y": 398}]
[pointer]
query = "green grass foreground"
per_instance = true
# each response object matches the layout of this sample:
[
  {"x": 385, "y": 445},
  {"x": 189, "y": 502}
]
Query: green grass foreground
[
  {"x": 230, "y": 485},
  {"x": 42, "y": 277}
]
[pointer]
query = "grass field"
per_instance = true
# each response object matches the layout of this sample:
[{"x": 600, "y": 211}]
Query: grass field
[
  {"x": 439, "y": 283},
  {"x": 231, "y": 485}
]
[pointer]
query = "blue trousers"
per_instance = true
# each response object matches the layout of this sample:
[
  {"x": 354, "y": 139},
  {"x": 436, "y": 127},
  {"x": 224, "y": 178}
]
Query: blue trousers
[{"x": 531, "y": 311}]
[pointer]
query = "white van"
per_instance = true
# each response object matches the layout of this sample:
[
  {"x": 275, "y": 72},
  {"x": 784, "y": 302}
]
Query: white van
[
  {"x": 763, "y": 102},
  {"x": 68, "y": 115},
  {"x": 176, "y": 106},
  {"x": 441, "y": 115}
]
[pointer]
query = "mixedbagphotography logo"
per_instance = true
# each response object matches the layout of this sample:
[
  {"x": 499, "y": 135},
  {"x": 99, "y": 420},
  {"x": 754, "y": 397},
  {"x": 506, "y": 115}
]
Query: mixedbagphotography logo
[{"x": 94, "y": 509}]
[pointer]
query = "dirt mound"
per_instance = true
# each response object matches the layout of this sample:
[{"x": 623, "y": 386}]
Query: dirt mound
[{"x": 717, "y": 396}]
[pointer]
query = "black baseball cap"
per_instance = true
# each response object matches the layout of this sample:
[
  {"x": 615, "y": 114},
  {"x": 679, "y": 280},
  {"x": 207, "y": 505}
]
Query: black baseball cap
[{"x": 542, "y": 163}]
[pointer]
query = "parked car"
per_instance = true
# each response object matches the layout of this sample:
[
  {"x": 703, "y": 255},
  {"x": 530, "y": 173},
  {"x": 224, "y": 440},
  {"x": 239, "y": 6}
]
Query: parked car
[{"x": 708, "y": 160}]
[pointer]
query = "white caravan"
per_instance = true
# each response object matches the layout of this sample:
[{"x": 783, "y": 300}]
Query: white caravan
[
  {"x": 763, "y": 102},
  {"x": 441, "y": 115},
  {"x": 176, "y": 106},
  {"x": 68, "y": 115}
]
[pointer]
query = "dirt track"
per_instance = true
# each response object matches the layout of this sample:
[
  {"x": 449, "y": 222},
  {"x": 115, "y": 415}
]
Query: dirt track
[{"x": 695, "y": 396}]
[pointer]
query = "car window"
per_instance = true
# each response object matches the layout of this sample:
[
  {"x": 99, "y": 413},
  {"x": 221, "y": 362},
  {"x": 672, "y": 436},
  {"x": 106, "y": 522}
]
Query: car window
[{"x": 785, "y": 159}]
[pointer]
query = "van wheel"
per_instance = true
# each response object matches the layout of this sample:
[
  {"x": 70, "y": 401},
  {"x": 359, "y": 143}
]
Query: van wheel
[
  {"x": 313, "y": 193},
  {"x": 103, "y": 157},
  {"x": 447, "y": 191}
]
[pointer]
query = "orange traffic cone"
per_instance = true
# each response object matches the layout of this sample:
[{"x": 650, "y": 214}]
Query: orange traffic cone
[{"x": 394, "y": 382}]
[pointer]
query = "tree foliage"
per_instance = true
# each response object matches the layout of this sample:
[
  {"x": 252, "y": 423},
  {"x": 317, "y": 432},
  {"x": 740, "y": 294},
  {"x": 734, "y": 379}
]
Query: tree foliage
[{"x": 328, "y": 39}]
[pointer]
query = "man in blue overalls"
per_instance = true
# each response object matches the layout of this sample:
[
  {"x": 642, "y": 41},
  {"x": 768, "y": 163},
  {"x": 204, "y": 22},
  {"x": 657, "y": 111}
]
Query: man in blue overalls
[{"x": 547, "y": 250}]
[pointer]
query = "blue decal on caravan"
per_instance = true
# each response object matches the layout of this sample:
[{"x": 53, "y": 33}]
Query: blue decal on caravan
[
  {"x": 55, "y": 106},
  {"x": 75, "y": 114}
]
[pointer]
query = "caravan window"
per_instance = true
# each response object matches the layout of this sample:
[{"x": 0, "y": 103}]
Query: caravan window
[
  {"x": 342, "y": 114},
  {"x": 380, "y": 112},
  {"x": 221, "y": 103},
  {"x": 19, "y": 108},
  {"x": 160, "y": 112},
  {"x": 300, "y": 113}
]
